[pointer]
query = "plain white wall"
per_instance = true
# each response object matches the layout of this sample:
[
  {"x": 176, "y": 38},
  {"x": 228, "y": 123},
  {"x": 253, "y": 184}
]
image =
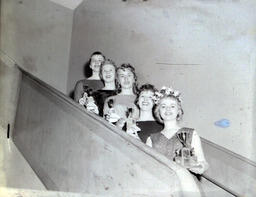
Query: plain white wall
[
  {"x": 202, "y": 48},
  {"x": 36, "y": 34}
]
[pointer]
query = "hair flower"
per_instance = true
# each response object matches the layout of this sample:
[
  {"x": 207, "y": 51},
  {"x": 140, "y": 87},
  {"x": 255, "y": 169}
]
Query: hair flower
[
  {"x": 166, "y": 91},
  {"x": 176, "y": 93}
]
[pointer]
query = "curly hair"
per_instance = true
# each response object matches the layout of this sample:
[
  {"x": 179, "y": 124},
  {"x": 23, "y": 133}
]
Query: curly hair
[
  {"x": 132, "y": 69},
  {"x": 145, "y": 87},
  {"x": 109, "y": 62},
  {"x": 157, "y": 109}
]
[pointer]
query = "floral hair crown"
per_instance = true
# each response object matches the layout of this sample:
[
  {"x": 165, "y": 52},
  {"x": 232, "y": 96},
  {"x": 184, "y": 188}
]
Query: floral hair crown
[{"x": 166, "y": 91}]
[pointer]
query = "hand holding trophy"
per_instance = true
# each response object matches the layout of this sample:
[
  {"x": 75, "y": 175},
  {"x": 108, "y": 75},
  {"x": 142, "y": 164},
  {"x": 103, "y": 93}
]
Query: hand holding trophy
[
  {"x": 91, "y": 106},
  {"x": 83, "y": 100},
  {"x": 185, "y": 156},
  {"x": 88, "y": 102},
  {"x": 131, "y": 127},
  {"x": 111, "y": 116}
]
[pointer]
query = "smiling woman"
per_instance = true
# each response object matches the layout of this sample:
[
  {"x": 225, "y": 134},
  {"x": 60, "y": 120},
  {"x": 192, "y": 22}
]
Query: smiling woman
[
  {"x": 123, "y": 102},
  {"x": 181, "y": 145},
  {"x": 108, "y": 76},
  {"x": 146, "y": 121},
  {"x": 93, "y": 82}
]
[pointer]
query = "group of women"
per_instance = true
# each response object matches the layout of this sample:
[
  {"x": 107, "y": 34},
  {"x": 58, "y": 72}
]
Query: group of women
[{"x": 147, "y": 114}]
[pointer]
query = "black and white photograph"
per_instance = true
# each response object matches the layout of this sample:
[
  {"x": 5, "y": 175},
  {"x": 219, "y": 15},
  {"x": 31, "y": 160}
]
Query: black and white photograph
[{"x": 127, "y": 98}]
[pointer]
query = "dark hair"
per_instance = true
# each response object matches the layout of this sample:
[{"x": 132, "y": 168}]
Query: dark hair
[
  {"x": 87, "y": 68},
  {"x": 145, "y": 87},
  {"x": 108, "y": 61},
  {"x": 132, "y": 69}
]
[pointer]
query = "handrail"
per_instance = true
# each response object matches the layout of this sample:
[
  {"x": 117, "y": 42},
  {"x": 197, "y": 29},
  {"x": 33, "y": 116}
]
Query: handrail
[
  {"x": 80, "y": 109},
  {"x": 222, "y": 149},
  {"x": 240, "y": 163},
  {"x": 221, "y": 185},
  {"x": 186, "y": 181},
  {"x": 160, "y": 158}
]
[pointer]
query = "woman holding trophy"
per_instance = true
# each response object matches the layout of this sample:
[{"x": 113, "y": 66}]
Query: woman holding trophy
[
  {"x": 119, "y": 108},
  {"x": 179, "y": 144}
]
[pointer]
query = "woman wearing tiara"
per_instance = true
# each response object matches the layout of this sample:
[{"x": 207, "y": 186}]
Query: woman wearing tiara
[
  {"x": 146, "y": 121},
  {"x": 179, "y": 144},
  {"x": 108, "y": 76},
  {"x": 93, "y": 82}
]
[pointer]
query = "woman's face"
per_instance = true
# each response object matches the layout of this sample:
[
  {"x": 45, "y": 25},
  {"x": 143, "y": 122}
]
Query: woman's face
[
  {"x": 168, "y": 109},
  {"x": 96, "y": 61},
  {"x": 108, "y": 73},
  {"x": 145, "y": 100},
  {"x": 126, "y": 78}
]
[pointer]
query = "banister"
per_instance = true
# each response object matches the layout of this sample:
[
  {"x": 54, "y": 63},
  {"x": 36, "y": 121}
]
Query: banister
[{"x": 149, "y": 151}]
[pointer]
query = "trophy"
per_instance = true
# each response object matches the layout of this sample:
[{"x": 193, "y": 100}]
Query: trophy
[
  {"x": 185, "y": 156},
  {"x": 88, "y": 101},
  {"x": 87, "y": 94},
  {"x": 111, "y": 115},
  {"x": 131, "y": 127}
]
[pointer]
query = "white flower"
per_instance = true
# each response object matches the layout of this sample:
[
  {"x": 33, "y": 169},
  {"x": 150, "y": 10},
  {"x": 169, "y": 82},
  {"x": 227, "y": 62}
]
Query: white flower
[
  {"x": 158, "y": 94},
  {"x": 171, "y": 89},
  {"x": 168, "y": 91},
  {"x": 176, "y": 93}
]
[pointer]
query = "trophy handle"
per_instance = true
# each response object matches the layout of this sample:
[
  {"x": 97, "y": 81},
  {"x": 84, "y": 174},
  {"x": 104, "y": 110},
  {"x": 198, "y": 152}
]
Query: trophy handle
[{"x": 181, "y": 139}]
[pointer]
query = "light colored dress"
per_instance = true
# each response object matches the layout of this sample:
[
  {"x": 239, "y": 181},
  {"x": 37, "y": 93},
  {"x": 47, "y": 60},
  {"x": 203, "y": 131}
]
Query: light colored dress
[{"x": 121, "y": 104}]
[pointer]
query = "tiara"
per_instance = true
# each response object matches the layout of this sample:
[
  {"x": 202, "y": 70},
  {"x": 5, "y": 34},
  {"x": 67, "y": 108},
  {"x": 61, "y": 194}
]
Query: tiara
[{"x": 166, "y": 91}]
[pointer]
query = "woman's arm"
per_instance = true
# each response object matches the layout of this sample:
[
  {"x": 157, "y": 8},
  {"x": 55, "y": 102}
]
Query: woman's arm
[
  {"x": 202, "y": 163},
  {"x": 78, "y": 92},
  {"x": 149, "y": 142}
]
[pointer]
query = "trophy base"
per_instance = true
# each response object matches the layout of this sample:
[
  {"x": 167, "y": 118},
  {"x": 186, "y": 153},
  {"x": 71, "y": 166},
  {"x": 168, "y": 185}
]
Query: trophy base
[{"x": 186, "y": 162}]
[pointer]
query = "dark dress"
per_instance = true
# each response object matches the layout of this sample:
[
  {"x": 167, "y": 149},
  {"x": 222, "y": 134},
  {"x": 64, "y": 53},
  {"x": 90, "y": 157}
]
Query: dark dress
[
  {"x": 100, "y": 96},
  {"x": 167, "y": 146},
  {"x": 85, "y": 84},
  {"x": 148, "y": 128}
]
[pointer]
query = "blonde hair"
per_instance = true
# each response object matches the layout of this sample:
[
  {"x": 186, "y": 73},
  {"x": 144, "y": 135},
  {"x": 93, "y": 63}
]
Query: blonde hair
[
  {"x": 109, "y": 62},
  {"x": 157, "y": 109}
]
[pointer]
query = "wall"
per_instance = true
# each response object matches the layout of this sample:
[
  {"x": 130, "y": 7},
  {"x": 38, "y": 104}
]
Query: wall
[
  {"x": 230, "y": 170},
  {"x": 9, "y": 91},
  {"x": 36, "y": 34},
  {"x": 203, "y": 48}
]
